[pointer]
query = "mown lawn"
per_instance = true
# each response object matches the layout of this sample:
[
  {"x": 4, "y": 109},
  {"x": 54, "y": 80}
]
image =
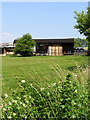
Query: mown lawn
[{"x": 38, "y": 70}]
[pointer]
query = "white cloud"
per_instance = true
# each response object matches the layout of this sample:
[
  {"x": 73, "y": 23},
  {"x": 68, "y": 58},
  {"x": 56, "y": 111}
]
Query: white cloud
[{"x": 8, "y": 37}]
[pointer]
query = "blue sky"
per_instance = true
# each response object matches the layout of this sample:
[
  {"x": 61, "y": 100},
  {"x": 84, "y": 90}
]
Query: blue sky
[{"x": 41, "y": 20}]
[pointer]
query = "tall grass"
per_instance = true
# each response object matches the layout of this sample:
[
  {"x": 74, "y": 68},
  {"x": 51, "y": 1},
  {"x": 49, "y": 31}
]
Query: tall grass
[{"x": 66, "y": 97}]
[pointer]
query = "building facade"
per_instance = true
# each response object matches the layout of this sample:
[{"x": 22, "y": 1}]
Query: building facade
[
  {"x": 55, "y": 47},
  {"x": 6, "y": 48}
]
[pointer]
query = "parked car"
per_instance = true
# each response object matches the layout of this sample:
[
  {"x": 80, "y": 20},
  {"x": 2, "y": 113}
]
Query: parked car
[{"x": 79, "y": 49}]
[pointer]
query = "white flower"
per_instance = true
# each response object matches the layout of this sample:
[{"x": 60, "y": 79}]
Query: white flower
[
  {"x": 15, "y": 101},
  {"x": 73, "y": 116},
  {"x": 23, "y": 104},
  {"x": 29, "y": 96},
  {"x": 6, "y": 96},
  {"x": 23, "y": 81},
  {"x": 10, "y": 103},
  {"x": 76, "y": 75},
  {"x": 59, "y": 81},
  {"x": 25, "y": 117},
  {"x": 4, "y": 109},
  {"x": 53, "y": 84},
  {"x": 18, "y": 98},
  {"x": 42, "y": 89},
  {"x": 27, "y": 101},
  {"x": 9, "y": 117},
  {"x": 14, "y": 113},
  {"x": 20, "y": 102}
]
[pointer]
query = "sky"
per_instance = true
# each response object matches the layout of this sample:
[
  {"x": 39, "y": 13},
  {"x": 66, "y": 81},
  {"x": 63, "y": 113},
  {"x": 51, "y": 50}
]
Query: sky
[{"x": 40, "y": 19}]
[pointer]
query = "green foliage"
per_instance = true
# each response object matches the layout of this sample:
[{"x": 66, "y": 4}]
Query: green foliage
[
  {"x": 72, "y": 101},
  {"x": 66, "y": 99},
  {"x": 83, "y": 25},
  {"x": 24, "y": 45},
  {"x": 83, "y": 22},
  {"x": 80, "y": 42}
]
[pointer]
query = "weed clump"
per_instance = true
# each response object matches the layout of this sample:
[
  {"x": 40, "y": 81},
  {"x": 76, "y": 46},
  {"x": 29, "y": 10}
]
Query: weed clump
[{"x": 62, "y": 100}]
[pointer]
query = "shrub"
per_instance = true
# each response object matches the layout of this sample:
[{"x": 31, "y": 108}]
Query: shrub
[
  {"x": 63, "y": 100},
  {"x": 24, "y": 45}
]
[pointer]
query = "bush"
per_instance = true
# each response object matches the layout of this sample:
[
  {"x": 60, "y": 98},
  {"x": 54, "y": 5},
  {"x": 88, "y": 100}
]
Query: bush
[
  {"x": 24, "y": 45},
  {"x": 63, "y": 100}
]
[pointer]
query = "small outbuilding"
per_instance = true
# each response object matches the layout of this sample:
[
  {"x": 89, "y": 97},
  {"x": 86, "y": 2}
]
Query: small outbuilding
[{"x": 6, "y": 48}]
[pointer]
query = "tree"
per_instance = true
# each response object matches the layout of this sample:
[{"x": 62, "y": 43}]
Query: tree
[
  {"x": 78, "y": 42},
  {"x": 83, "y": 24},
  {"x": 24, "y": 45}
]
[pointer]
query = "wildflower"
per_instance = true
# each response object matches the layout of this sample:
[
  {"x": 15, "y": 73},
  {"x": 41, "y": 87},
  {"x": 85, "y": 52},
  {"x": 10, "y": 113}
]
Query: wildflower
[
  {"x": 53, "y": 84},
  {"x": 48, "y": 85},
  {"x": 76, "y": 75},
  {"x": 23, "y": 81},
  {"x": 27, "y": 101},
  {"x": 23, "y": 104},
  {"x": 42, "y": 89},
  {"x": 9, "y": 117},
  {"x": 10, "y": 103},
  {"x": 29, "y": 96},
  {"x": 14, "y": 101},
  {"x": 18, "y": 98},
  {"x": 25, "y": 117},
  {"x": 6, "y": 96},
  {"x": 73, "y": 116},
  {"x": 14, "y": 113},
  {"x": 20, "y": 102},
  {"x": 4, "y": 109}
]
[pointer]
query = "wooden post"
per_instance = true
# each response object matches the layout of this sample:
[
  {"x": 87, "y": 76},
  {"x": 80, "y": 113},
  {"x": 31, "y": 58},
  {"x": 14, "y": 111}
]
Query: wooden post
[{"x": 4, "y": 51}]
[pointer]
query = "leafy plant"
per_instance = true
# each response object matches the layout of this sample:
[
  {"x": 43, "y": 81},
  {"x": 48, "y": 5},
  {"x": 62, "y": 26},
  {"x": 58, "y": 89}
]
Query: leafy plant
[
  {"x": 63, "y": 100},
  {"x": 24, "y": 45}
]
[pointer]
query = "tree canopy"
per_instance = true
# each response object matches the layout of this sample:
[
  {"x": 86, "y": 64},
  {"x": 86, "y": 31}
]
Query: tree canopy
[
  {"x": 83, "y": 25},
  {"x": 83, "y": 22},
  {"x": 24, "y": 45},
  {"x": 78, "y": 42}
]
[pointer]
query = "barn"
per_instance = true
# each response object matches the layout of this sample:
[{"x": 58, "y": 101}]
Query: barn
[{"x": 55, "y": 46}]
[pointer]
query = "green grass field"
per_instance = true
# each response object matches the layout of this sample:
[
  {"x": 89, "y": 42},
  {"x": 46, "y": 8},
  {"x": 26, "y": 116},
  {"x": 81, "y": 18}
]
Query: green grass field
[{"x": 38, "y": 70}]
